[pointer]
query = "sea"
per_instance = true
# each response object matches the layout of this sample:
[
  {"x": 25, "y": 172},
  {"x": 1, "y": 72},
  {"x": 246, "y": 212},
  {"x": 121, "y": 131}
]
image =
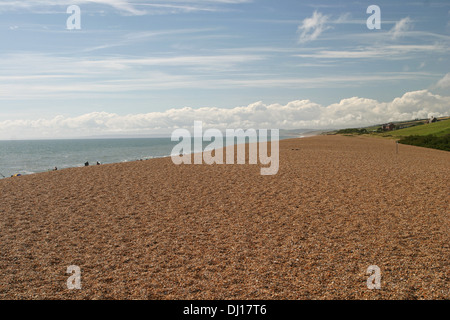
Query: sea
[{"x": 32, "y": 156}]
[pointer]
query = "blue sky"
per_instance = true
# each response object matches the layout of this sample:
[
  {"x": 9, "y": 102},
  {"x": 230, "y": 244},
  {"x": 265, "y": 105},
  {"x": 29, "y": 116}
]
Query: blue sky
[{"x": 152, "y": 66}]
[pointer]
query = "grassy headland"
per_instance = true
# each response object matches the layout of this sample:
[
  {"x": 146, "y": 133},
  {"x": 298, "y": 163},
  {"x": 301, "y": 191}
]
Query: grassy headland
[
  {"x": 414, "y": 132},
  {"x": 438, "y": 129}
]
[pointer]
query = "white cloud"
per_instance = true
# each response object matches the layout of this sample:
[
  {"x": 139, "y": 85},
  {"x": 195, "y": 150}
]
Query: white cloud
[
  {"x": 295, "y": 114},
  {"x": 127, "y": 7},
  {"x": 391, "y": 52},
  {"x": 121, "y": 5},
  {"x": 344, "y": 18},
  {"x": 401, "y": 27},
  {"x": 311, "y": 28},
  {"x": 444, "y": 82},
  {"x": 40, "y": 76}
]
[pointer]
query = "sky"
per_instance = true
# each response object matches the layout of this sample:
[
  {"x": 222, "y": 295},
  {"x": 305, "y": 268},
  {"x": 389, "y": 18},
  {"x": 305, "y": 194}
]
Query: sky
[{"x": 148, "y": 67}]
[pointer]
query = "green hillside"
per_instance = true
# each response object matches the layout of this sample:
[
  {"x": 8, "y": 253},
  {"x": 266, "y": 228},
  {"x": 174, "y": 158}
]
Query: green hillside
[
  {"x": 439, "y": 129},
  {"x": 417, "y": 132}
]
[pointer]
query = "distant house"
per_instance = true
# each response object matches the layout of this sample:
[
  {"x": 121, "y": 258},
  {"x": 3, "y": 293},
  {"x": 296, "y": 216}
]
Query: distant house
[
  {"x": 388, "y": 127},
  {"x": 432, "y": 119}
]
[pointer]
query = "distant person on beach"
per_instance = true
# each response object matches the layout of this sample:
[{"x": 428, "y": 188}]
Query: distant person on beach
[
  {"x": 55, "y": 169},
  {"x": 86, "y": 164}
]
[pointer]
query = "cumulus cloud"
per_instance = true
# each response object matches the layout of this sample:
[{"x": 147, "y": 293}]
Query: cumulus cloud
[
  {"x": 401, "y": 27},
  {"x": 312, "y": 27},
  {"x": 351, "y": 112}
]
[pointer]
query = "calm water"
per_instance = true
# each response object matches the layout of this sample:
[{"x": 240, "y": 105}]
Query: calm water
[{"x": 27, "y": 157}]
